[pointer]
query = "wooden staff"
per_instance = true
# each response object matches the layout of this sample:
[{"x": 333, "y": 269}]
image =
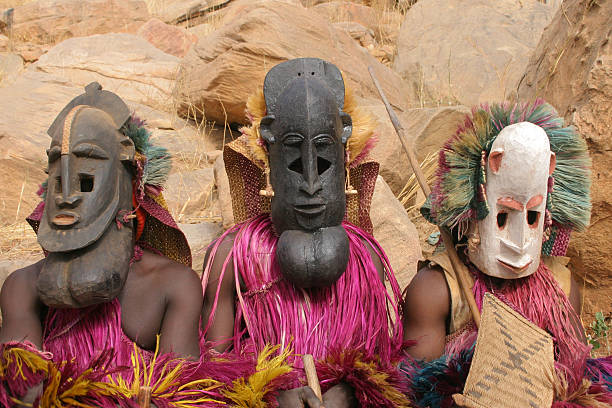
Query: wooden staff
[
  {"x": 144, "y": 397},
  {"x": 461, "y": 272},
  {"x": 311, "y": 375}
]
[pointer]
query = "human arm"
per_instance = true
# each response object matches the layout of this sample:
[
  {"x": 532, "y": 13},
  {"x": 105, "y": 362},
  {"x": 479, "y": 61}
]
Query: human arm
[
  {"x": 22, "y": 328},
  {"x": 575, "y": 299},
  {"x": 179, "y": 332},
  {"x": 426, "y": 310},
  {"x": 220, "y": 325},
  {"x": 21, "y": 307}
]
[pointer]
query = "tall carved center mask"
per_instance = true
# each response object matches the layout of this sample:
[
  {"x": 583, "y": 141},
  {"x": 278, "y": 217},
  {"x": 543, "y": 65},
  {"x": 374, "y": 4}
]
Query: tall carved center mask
[
  {"x": 89, "y": 186},
  {"x": 306, "y": 133}
]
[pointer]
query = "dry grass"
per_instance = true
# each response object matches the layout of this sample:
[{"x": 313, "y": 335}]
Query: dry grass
[
  {"x": 5, "y": 4},
  {"x": 155, "y": 6},
  {"x": 408, "y": 195},
  {"x": 18, "y": 241}
]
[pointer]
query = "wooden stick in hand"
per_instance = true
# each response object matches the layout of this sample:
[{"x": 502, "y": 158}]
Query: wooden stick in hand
[
  {"x": 311, "y": 375},
  {"x": 461, "y": 272},
  {"x": 144, "y": 397}
]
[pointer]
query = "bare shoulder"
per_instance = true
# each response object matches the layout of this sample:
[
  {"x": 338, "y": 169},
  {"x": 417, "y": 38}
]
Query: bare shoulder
[
  {"x": 376, "y": 259},
  {"x": 427, "y": 296},
  {"x": 22, "y": 282},
  {"x": 426, "y": 310},
  {"x": 156, "y": 272},
  {"x": 575, "y": 296},
  {"x": 21, "y": 306},
  {"x": 219, "y": 251}
]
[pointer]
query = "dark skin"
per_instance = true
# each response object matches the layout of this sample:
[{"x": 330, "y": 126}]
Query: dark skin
[
  {"x": 428, "y": 306},
  {"x": 173, "y": 312},
  {"x": 222, "y": 329}
]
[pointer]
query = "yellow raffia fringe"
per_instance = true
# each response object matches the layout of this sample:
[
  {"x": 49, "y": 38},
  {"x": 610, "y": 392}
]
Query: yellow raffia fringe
[
  {"x": 80, "y": 387},
  {"x": 364, "y": 125},
  {"x": 251, "y": 393},
  {"x": 21, "y": 357},
  {"x": 379, "y": 380},
  {"x": 143, "y": 376}
]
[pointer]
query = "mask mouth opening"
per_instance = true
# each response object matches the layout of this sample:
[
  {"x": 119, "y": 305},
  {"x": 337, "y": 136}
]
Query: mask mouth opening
[
  {"x": 513, "y": 268},
  {"x": 65, "y": 220}
]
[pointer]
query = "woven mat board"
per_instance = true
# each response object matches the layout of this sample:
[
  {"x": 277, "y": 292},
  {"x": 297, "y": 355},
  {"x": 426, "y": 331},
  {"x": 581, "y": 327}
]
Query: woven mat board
[{"x": 513, "y": 364}]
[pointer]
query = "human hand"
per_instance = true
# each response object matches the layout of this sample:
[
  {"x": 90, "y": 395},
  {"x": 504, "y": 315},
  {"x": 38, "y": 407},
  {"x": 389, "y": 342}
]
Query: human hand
[
  {"x": 340, "y": 395},
  {"x": 303, "y": 397}
]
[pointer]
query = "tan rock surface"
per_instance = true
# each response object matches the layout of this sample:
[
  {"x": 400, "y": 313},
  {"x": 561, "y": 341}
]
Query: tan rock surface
[
  {"x": 28, "y": 107},
  {"x": 189, "y": 193},
  {"x": 337, "y": 11},
  {"x": 395, "y": 233},
  {"x": 199, "y": 236},
  {"x": 170, "y": 39},
  {"x": 52, "y": 21},
  {"x": 171, "y": 9},
  {"x": 426, "y": 128},
  {"x": 468, "y": 51},
  {"x": 11, "y": 66},
  {"x": 383, "y": 19},
  {"x": 219, "y": 74},
  {"x": 123, "y": 63},
  {"x": 572, "y": 69}
]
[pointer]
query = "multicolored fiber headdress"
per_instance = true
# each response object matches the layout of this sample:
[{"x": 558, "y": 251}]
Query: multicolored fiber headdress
[
  {"x": 246, "y": 161},
  {"x": 458, "y": 192},
  {"x": 155, "y": 227}
]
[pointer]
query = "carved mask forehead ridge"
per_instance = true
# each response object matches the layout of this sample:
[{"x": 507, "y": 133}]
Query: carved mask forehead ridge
[{"x": 89, "y": 185}]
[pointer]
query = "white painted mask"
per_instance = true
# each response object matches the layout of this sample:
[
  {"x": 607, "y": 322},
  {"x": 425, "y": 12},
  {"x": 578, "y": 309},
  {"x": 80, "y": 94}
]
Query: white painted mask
[{"x": 518, "y": 167}]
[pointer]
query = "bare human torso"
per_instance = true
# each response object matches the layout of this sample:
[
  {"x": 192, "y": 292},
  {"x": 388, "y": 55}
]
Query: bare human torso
[{"x": 159, "y": 296}]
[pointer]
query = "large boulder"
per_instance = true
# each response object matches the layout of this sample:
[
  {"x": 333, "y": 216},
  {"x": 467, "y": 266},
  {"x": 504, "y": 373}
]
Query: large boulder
[
  {"x": 170, "y": 39},
  {"x": 383, "y": 21},
  {"x": 468, "y": 51},
  {"x": 52, "y": 21},
  {"x": 395, "y": 233},
  {"x": 190, "y": 193},
  {"x": 219, "y": 74},
  {"x": 426, "y": 129},
  {"x": 123, "y": 63},
  {"x": 28, "y": 107},
  {"x": 11, "y": 66},
  {"x": 572, "y": 69},
  {"x": 199, "y": 236}
]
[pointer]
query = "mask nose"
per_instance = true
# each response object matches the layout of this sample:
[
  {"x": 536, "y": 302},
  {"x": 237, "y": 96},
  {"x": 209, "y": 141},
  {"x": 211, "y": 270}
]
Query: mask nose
[
  {"x": 67, "y": 199},
  {"x": 311, "y": 184},
  {"x": 518, "y": 237}
]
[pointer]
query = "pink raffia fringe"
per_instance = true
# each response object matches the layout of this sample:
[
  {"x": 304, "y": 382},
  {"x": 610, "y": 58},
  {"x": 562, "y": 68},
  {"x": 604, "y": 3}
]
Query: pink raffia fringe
[
  {"x": 88, "y": 346},
  {"x": 355, "y": 314},
  {"x": 541, "y": 300},
  {"x": 20, "y": 371}
]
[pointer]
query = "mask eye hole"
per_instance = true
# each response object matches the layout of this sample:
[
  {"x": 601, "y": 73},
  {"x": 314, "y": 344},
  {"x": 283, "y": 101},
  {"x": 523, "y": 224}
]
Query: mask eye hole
[
  {"x": 532, "y": 218},
  {"x": 58, "y": 185},
  {"x": 87, "y": 183},
  {"x": 322, "y": 165},
  {"x": 502, "y": 218},
  {"x": 296, "y": 166}
]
